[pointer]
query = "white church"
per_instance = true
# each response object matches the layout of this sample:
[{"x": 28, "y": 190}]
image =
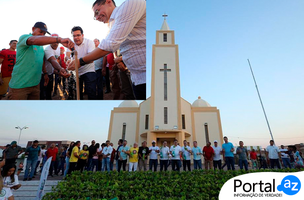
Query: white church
[{"x": 165, "y": 115}]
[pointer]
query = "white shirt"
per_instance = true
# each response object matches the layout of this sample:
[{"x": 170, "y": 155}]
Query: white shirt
[
  {"x": 273, "y": 152},
  {"x": 49, "y": 52},
  {"x": 217, "y": 152},
  {"x": 284, "y": 153},
  {"x": 86, "y": 47},
  {"x": 107, "y": 150},
  {"x": 153, "y": 154},
  {"x": 177, "y": 149},
  {"x": 165, "y": 151},
  {"x": 127, "y": 25},
  {"x": 7, "y": 182},
  {"x": 186, "y": 152},
  {"x": 5, "y": 193}
]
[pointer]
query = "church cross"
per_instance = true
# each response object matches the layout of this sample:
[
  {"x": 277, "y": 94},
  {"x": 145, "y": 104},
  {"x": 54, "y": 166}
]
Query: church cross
[{"x": 165, "y": 70}]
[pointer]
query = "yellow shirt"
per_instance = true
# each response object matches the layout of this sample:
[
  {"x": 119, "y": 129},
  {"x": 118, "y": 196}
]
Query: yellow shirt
[
  {"x": 84, "y": 154},
  {"x": 133, "y": 154},
  {"x": 73, "y": 158}
]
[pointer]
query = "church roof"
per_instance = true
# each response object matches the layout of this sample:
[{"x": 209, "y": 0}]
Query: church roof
[
  {"x": 200, "y": 103},
  {"x": 165, "y": 25},
  {"x": 128, "y": 103}
]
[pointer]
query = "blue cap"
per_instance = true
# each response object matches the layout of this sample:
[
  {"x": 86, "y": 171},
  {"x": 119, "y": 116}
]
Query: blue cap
[{"x": 42, "y": 26}]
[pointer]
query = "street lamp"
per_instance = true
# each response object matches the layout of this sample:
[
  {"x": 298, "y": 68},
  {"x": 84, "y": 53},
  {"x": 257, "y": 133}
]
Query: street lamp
[{"x": 18, "y": 127}]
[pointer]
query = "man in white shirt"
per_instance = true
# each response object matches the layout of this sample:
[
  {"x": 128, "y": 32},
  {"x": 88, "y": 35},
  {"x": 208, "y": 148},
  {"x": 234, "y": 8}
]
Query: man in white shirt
[
  {"x": 127, "y": 25},
  {"x": 273, "y": 154},
  {"x": 106, "y": 151},
  {"x": 164, "y": 156},
  {"x": 176, "y": 152},
  {"x": 87, "y": 73},
  {"x": 51, "y": 54},
  {"x": 187, "y": 156},
  {"x": 285, "y": 157},
  {"x": 217, "y": 162},
  {"x": 153, "y": 152}
]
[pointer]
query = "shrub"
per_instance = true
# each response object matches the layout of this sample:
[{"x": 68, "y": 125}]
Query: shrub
[{"x": 197, "y": 184}]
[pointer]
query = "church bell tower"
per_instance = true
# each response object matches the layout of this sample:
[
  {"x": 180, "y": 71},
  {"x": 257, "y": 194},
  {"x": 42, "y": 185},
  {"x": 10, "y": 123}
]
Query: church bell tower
[{"x": 165, "y": 91}]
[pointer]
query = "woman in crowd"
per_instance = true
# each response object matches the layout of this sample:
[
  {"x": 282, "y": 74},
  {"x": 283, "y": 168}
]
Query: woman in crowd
[
  {"x": 95, "y": 158},
  {"x": 67, "y": 158},
  {"x": 5, "y": 193},
  {"x": 10, "y": 179},
  {"x": 84, "y": 155}
]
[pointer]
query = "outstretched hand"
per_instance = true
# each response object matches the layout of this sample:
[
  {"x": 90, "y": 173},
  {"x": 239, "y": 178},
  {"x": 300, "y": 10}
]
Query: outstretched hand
[
  {"x": 67, "y": 43},
  {"x": 64, "y": 73},
  {"x": 71, "y": 65}
]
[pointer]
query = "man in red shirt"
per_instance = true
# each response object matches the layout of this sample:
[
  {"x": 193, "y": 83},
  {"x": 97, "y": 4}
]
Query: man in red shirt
[
  {"x": 208, "y": 154},
  {"x": 8, "y": 60},
  {"x": 52, "y": 152},
  {"x": 253, "y": 158}
]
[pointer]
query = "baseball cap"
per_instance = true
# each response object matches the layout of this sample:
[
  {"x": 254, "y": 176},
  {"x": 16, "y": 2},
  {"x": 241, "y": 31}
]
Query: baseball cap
[
  {"x": 42, "y": 26},
  {"x": 153, "y": 141},
  {"x": 13, "y": 142},
  {"x": 215, "y": 141},
  {"x": 61, "y": 47}
]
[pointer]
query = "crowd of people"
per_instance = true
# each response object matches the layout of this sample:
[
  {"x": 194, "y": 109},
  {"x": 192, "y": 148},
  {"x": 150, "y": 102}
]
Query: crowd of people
[
  {"x": 103, "y": 157},
  {"x": 30, "y": 72}
]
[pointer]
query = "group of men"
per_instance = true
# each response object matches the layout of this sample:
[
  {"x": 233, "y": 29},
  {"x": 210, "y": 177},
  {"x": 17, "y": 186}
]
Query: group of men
[{"x": 33, "y": 66}]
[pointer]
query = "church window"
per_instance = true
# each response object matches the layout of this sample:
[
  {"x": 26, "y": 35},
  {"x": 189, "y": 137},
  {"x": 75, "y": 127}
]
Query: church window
[
  {"x": 206, "y": 132},
  {"x": 147, "y": 122},
  {"x": 165, "y": 70},
  {"x": 124, "y": 127},
  {"x": 165, "y": 115},
  {"x": 183, "y": 122},
  {"x": 165, "y": 37}
]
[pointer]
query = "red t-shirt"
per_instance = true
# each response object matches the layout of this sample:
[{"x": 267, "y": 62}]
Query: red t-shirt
[
  {"x": 253, "y": 155},
  {"x": 208, "y": 152},
  {"x": 8, "y": 63},
  {"x": 110, "y": 60},
  {"x": 63, "y": 65},
  {"x": 52, "y": 152}
]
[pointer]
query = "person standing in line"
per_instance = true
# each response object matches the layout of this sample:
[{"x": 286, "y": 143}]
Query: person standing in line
[
  {"x": 52, "y": 152},
  {"x": 92, "y": 151},
  {"x": 120, "y": 142},
  {"x": 243, "y": 155},
  {"x": 254, "y": 159},
  {"x": 228, "y": 150},
  {"x": 67, "y": 158},
  {"x": 197, "y": 152},
  {"x": 176, "y": 152},
  {"x": 143, "y": 153},
  {"x": 187, "y": 156},
  {"x": 285, "y": 157},
  {"x": 164, "y": 156},
  {"x": 107, "y": 151},
  {"x": 12, "y": 152},
  {"x": 153, "y": 151},
  {"x": 133, "y": 161},
  {"x": 217, "y": 162},
  {"x": 123, "y": 152},
  {"x": 83, "y": 158},
  {"x": 208, "y": 154},
  {"x": 273, "y": 154}
]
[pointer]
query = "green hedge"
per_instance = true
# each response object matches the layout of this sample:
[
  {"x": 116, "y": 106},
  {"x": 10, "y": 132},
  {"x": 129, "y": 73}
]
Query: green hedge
[{"x": 198, "y": 184}]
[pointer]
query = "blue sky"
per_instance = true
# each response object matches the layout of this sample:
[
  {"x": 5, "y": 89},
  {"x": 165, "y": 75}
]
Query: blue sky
[{"x": 215, "y": 40}]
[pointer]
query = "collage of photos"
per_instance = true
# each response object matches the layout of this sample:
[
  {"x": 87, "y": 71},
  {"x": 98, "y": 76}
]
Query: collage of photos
[{"x": 178, "y": 99}]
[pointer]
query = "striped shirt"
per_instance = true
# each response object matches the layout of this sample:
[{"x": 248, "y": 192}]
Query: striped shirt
[{"x": 128, "y": 33}]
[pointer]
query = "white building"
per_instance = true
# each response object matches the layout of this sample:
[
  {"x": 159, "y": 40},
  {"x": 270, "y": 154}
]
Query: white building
[{"x": 165, "y": 115}]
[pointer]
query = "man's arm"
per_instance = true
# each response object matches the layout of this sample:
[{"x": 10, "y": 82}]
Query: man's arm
[
  {"x": 57, "y": 67},
  {"x": 44, "y": 40}
]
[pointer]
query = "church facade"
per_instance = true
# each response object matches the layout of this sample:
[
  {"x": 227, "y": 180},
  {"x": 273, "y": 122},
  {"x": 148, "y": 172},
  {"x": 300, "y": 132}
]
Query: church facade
[{"x": 165, "y": 115}]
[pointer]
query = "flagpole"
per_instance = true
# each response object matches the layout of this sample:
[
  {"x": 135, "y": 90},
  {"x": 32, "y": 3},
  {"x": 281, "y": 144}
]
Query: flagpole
[{"x": 256, "y": 86}]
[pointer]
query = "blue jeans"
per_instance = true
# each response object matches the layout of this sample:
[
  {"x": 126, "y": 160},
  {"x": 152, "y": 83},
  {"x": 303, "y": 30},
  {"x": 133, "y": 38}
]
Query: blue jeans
[
  {"x": 111, "y": 166},
  {"x": 197, "y": 163},
  {"x": 286, "y": 162},
  {"x": 153, "y": 162},
  {"x": 116, "y": 165},
  {"x": 230, "y": 163},
  {"x": 176, "y": 165},
  {"x": 106, "y": 162},
  {"x": 30, "y": 164},
  {"x": 163, "y": 164},
  {"x": 89, "y": 80},
  {"x": 245, "y": 163},
  {"x": 94, "y": 164},
  {"x": 275, "y": 162},
  {"x": 67, "y": 165}
]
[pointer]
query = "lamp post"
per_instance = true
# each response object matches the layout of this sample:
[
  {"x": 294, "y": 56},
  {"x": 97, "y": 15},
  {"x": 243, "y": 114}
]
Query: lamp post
[{"x": 18, "y": 127}]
